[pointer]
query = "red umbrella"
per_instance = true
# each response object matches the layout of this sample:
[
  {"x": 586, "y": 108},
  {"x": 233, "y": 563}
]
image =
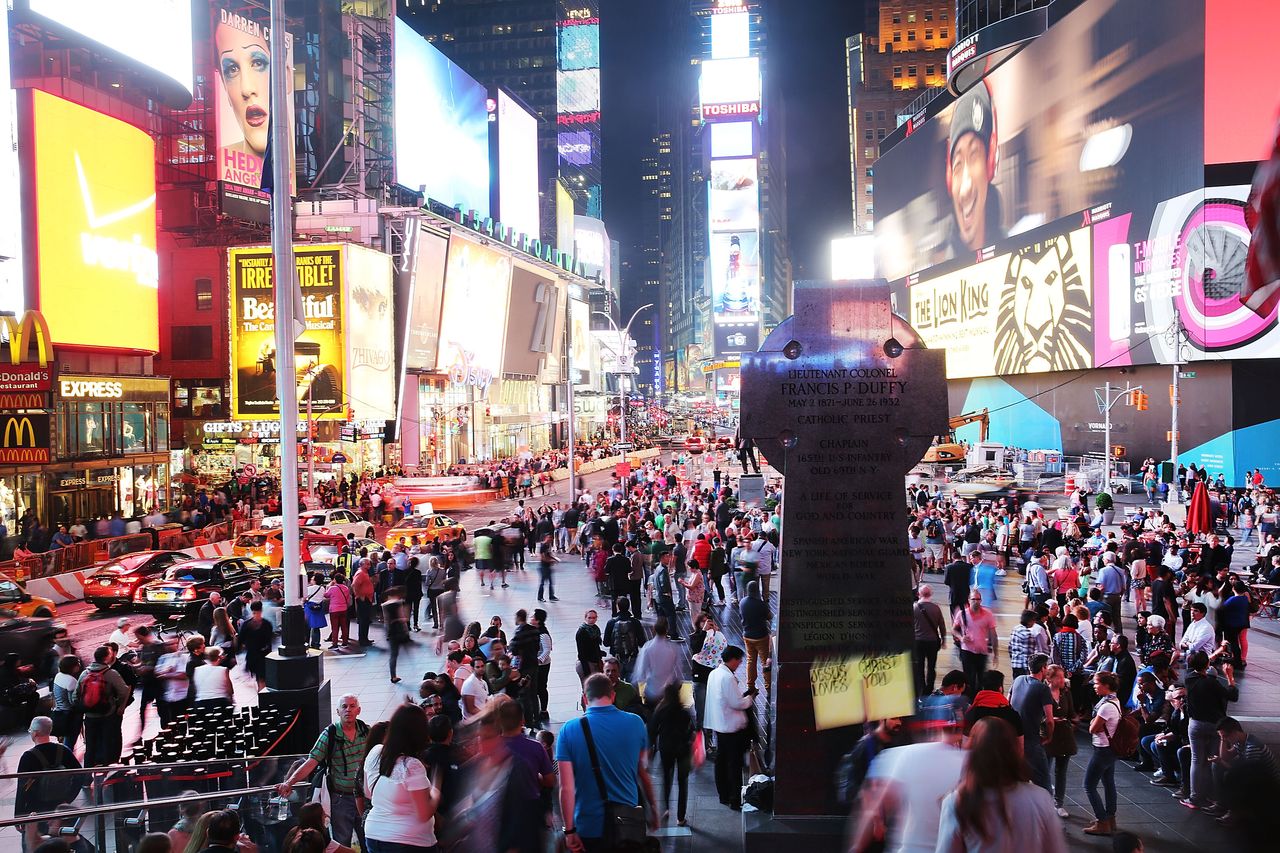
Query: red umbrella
[{"x": 1198, "y": 520}]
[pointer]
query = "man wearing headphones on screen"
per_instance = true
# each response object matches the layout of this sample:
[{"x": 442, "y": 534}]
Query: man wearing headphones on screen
[{"x": 972, "y": 156}]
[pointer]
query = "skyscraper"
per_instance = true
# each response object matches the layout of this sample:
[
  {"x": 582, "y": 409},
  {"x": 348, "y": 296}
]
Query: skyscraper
[
  {"x": 547, "y": 53},
  {"x": 890, "y": 68}
]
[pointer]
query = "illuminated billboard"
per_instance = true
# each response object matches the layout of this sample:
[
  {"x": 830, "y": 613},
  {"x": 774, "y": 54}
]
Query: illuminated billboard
[
  {"x": 441, "y": 125},
  {"x": 591, "y": 246},
  {"x": 730, "y": 88},
  {"x": 1044, "y": 138},
  {"x": 13, "y": 296},
  {"x": 370, "y": 334},
  {"x": 733, "y": 192},
  {"x": 1028, "y": 311},
  {"x": 117, "y": 25},
  {"x": 733, "y": 139},
  {"x": 91, "y": 182},
  {"x": 242, "y": 92},
  {"x": 580, "y": 340},
  {"x": 730, "y": 35},
  {"x": 579, "y": 47},
  {"x": 320, "y": 356},
  {"x": 517, "y": 167},
  {"x": 1239, "y": 122},
  {"x": 574, "y": 147},
  {"x": 564, "y": 219},
  {"x": 473, "y": 318},
  {"x": 426, "y": 291},
  {"x": 735, "y": 276},
  {"x": 579, "y": 91}
]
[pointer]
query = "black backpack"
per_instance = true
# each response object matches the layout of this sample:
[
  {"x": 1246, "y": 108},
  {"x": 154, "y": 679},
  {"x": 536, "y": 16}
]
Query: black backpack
[
  {"x": 50, "y": 790},
  {"x": 933, "y": 530},
  {"x": 625, "y": 646}
]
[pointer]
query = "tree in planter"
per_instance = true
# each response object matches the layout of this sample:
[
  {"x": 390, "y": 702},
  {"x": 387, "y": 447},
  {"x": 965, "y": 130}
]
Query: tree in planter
[{"x": 1106, "y": 506}]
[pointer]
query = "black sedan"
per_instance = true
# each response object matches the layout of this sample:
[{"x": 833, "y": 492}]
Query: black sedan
[
  {"x": 115, "y": 582},
  {"x": 29, "y": 637},
  {"x": 186, "y": 587}
]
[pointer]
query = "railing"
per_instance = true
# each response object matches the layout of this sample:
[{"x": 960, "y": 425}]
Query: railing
[{"x": 119, "y": 804}]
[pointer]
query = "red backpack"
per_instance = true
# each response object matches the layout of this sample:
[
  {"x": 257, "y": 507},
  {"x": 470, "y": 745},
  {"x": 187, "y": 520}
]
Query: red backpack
[
  {"x": 1124, "y": 742},
  {"x": 95, "y": 693}
]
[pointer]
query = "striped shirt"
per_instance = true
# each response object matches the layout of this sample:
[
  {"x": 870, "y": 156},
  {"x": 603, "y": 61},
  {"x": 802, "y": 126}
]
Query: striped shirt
[
  {"x": 1069, "y": 650},
  {"x": 343, "y": 774}
]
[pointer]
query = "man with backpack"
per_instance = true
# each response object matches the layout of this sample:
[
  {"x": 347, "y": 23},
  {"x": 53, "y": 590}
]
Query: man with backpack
[
  {"x": 624, "y": 635},
  {"x": 339, "y": 753},
  {"x": 103, "y": 696},
  {"x": 39, "y": 792}
]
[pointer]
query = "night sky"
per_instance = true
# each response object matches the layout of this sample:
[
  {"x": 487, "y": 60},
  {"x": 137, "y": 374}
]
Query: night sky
[{"x": 806, "y": 52}]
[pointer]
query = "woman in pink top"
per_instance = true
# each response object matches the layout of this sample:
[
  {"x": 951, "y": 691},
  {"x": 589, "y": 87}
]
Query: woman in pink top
[{"x": 340, "y": 600}]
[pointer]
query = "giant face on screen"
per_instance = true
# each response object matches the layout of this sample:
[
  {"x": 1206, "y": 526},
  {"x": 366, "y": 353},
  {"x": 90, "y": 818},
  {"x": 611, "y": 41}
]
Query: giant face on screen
[
  {"x": 163, "y": 46},
  {"x": 473, "y": 319},
  {"x": 92, "y": 180},
  {"x": 1046, "y": 137},
  {"x": 242, "y": 92},
  {"x": 517, "y": 167},
  {"x": 441, "y": 125}
]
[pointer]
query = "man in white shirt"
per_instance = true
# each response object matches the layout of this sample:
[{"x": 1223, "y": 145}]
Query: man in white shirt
[
  {"x": 725, "y": 714},
  {"x": 904, "y": 789},
  {"x": 1199, "y": 634},
  {"x": 475, "y": 695},
  {"x": 122, "y": 636}
]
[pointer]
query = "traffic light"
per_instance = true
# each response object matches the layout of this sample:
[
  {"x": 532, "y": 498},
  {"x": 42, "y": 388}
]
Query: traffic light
[
  {"x": 1117, "y": 451},
  {"x": 1141, "y": 401}
]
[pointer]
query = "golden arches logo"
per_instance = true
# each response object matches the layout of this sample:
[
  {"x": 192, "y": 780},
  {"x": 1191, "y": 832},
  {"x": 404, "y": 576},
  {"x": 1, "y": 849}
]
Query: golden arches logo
[
  {"x": 17, "y": 428},
  {"x": 20, "y": 332}
]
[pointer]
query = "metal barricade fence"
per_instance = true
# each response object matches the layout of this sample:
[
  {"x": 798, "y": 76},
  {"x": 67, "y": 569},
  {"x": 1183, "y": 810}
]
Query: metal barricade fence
[{"x": 117, "y": 805}]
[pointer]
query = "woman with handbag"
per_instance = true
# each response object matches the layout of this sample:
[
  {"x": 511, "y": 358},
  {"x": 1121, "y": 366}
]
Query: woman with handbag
[
  {"x": 671, "y": 729},
  {"x": 402, "y": 800},
  {"x": 315, "y": 606},
  {"x": 1062, "y": 744}
]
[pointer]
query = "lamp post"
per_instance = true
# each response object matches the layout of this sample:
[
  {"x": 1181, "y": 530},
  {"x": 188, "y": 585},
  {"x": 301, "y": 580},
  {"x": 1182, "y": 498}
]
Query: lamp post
[{"x": 623, "y": 334}]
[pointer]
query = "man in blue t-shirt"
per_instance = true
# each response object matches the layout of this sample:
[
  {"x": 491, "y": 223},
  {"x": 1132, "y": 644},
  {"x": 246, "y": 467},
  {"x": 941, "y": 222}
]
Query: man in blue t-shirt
[{"x": 621, "y": 749}]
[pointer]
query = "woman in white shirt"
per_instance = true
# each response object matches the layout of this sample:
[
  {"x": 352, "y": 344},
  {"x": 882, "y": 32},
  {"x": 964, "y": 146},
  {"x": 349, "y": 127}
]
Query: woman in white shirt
[
  {"x": 402, "y": 800},
  {"x": 212, "y": 681}
]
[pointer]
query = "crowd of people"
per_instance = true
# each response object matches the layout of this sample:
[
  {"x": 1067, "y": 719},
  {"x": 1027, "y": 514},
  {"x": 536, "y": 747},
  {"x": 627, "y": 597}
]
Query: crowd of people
[{"x": 1096, "y": 661}]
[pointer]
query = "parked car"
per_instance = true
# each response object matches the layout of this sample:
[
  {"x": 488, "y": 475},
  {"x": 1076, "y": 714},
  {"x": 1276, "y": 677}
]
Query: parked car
[
  {"x": 342, "y": 521},
  {"x": 185, "y": 588},
  {"x": 428, "y": 528},
  {"x": 14, "y": 596},
  {"x": 114, "y": 583}
]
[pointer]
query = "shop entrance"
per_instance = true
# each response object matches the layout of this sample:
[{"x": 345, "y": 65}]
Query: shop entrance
[{"x": 84, "y": 503}]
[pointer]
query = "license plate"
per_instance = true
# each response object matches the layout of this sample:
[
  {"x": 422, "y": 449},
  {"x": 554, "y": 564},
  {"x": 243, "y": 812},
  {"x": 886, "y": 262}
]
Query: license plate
[
  {"x": 160, "y": 595},
  {"x": 104, "y": 582}
]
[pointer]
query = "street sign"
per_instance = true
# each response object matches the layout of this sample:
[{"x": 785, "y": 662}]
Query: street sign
[
  {"x": 250, "y": 470},
  {"x": 1186, "y": 374},
  {"x": 624, "y": 446},
  {"x": 338, "y": 459}
]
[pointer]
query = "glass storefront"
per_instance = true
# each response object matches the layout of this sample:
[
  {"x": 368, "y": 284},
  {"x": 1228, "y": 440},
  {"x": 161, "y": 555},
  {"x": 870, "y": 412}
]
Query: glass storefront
[
  {"x": 89, "y": 429},
  {"x": 19, "y": 495}
]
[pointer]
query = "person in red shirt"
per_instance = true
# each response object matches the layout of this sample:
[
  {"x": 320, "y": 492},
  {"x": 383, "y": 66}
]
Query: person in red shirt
[{"x": 362, "y": 590}]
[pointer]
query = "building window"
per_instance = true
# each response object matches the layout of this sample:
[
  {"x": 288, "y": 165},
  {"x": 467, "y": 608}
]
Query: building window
[
  {"x": 868, "y": 152},
  {"x": 880, "y": 133},
  {"x": 897, "y": 71},
  {"x": 867, "y": 116},
  {"x": 911, "y": 71},
  {"x": 942, "y": 16},
  {"x": 928, "y": 15},
  {"x": 867, "y": 134},
  {"x": 897, "y": 18},
  {"x": 929, "y": 69},
  {"x": 880, "y": 115},
  {"x": 191, "y": 343},
  {"x": 942, "y": 34},
  {"x": 897, "y": 36},
  {"x": 928, "y": 35},
  {"x": 867, "y": 189},
  {"x": 870, "y": 209},
  {"x": 204, "y": 294},
  {"x": 869, "y": 171},
  {"x": 911, "y": 17},
  {"x": 911, "y": 35}
]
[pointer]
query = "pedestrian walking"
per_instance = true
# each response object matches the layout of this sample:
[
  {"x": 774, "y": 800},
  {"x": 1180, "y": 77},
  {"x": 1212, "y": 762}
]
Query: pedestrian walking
[
  {"x": 103, "y": 698},
  {"x": 546, "y": 559},
  {"x": 975, "y": 633},
  {"x": 671, "y": 729},
  {"x": 1033, "y": 699},
  {"x": 930, "y": 636},
  {"x": 726, "y": 715},
  {"x": 395, "y": 617},
  {"x": 1102, "y": 763}
]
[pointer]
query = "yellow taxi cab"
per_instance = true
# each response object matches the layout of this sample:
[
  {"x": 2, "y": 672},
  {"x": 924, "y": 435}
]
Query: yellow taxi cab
[
  {"x": 266, "y": 545},
  {"x": 14, "y": 597},
  {"x": 427, "y": 527}
]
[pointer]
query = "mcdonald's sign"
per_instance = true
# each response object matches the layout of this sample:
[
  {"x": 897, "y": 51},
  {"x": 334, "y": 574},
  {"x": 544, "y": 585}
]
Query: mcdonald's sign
[
  {"x": 24, "y": 438},
  {"x": 19, "y": 375}
]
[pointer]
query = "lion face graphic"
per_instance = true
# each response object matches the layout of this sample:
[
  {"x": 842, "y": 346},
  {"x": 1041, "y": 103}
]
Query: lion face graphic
[{"x": 1043, "y": 323}]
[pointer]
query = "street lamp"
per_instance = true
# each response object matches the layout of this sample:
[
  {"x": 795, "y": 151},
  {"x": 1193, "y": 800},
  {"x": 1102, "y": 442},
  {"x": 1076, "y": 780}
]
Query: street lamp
[{"x": 623, "y": 334}]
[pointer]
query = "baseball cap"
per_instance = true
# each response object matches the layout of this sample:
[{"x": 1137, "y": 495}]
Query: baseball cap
[{"x": 972, "y": 114}]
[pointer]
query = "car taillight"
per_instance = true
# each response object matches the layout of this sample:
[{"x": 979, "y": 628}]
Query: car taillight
[
  {"x": 137, "y": 594},
  {"x": 189, "y": 594},
  {"x": 129, "y": 580}
]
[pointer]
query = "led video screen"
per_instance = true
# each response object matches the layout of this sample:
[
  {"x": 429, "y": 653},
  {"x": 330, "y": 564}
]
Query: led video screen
[
  {"x": 579, "y": 47},
  {"x": 1051, "y": 133},
  {"x": 517, "y": 167},
  {"x": 472, "y": 321},
  {"x": 441, "y": 125}
]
